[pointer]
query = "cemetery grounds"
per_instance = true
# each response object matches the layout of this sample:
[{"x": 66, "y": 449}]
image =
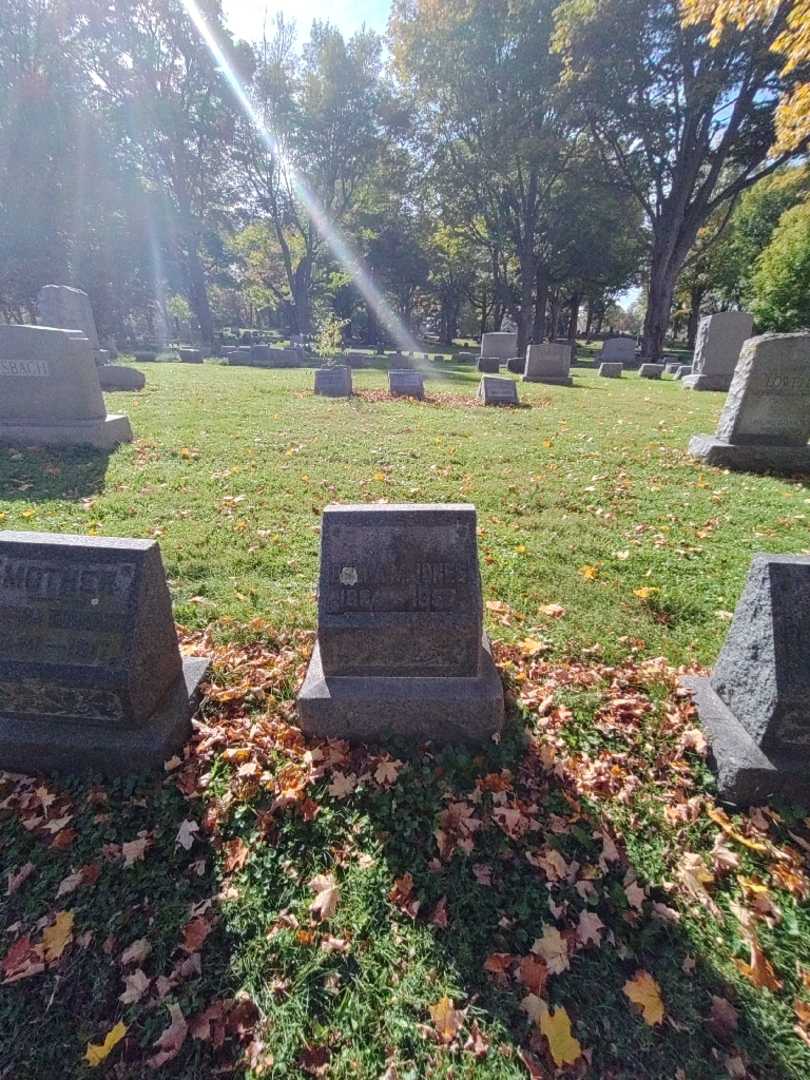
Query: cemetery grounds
[{"x": 569, "y": 900}]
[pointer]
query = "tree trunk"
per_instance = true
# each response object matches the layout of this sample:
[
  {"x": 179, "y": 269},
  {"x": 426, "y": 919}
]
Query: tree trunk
[
  {"x": 589, "y": 322},
  {"x": 555, "y": 314},
  {"x": 573, "y": 323},
  {"x": 695, "y": 298},
  {"x": 528, "y": 273},
  {"x": 659, "y": 306},
  {"x": 198, "y": 295},
  {"x": 302, "y": 314},
  {"x": 540, "y": 302}
]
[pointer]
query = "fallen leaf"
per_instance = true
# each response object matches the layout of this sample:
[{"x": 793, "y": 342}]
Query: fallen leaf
[
  {"x": 553, "y": 947},
  {"x": 722, "y": 1018},
  {"x": 134, "y": 850},
  {"x": 342, "y": 785},
  {"x": 16, "y": 880},
  {"x": 56, "y": 936},
  {"x": 326, "y": 900},
  {"x": 446, "y": 1019},
  {"x": 759, "y": 971},
  {"x": 236, "y": 853},
  {"x": 172, "y": 1039},
  {"x": 645, "y": 992},
  {"x": 554, "y": 611},
  {"x": 98, "y": 1052},
  {"x": 194, "y": 934},
  {"x": 135, "y": 953},
  {"x": 588, "y": 928},
  {"x": 556, "y": 1026},
  {"x": 186, "y": 834},
  {"x": 387, "y": 772},
  {"x": 439, "y": 916},
  {"x": 135, "y": 986},
  {"x": 590, "y": 573}
]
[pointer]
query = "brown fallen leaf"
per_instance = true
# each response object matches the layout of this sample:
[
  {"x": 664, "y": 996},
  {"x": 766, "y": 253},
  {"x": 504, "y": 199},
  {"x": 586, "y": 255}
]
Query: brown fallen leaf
[
  {"x": 134, "y": 850},
  {"x": 194, "y": 934},
  {"x": 135, "y": 986},
  {"x": 759, "y": 971},
  {"x": 439, "y": 916},
  {"x": 171, "y": 1041},
  {"x": 16, "y": 880},
  {"x": 553, "y": 948},
  {"x": 326, "y": 900},
  {"x": 722, "y": 1018},
  {"x": 236, "y": 854},
  {"x": 135, "y": 953}
]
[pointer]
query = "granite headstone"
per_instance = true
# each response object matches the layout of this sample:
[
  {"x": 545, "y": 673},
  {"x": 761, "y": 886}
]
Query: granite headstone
[
  {"x": 549, "y": 362},
  {"x": 334, "y": 381},
  {"x": 717, "y": 348},
  {"x": 612, "y": 369},
  {"x": 500, "y": 345},
  {"x": 91, "y": 676},
  {"x": 765, "y": 424},
  {"x": 494, "y": 391},
  {"x": 50, "y": 393},
  {"x": 755, "y": 706},
  {"x": 400, "y": 647},
  {"x": 621, "y": 349},
  {"x": 403, "y": 382},
  {"x": 66, "y": 308},
  {"x": 651, "y": 371},
  {"x": 490, "y": 365}
]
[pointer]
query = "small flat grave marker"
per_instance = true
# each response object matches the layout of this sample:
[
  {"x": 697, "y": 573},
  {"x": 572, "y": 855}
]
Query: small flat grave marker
[
  {"x": 651, "y": 371},
  {"x": 403, "y": 382},
  {"x": 611, "y": 369},
  {"x": 334, "y": 381},
  {"x": 493, "y": 391}
]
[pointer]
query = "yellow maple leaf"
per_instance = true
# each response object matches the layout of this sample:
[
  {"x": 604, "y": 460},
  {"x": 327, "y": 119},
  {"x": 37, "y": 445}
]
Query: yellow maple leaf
[
  {"x": 645, "y": 992},
  {"x": 98, "y": 1052},
  {"x": 556, "y": 1026},
  {"x": 380, "y": 477},
  {"x": 446, "y": 1019},
  {"x": 645, "y": 592},
  {"x": 185, "y": 452},
  {"x": 589, "y": 572},
  {"x": 56, "y": 936},
  {"x": 719, "y": 817},
  {"x": 547, "y": 443},
  {"x": 520, "y": 549},
  {"x": 531, "y": 646}
]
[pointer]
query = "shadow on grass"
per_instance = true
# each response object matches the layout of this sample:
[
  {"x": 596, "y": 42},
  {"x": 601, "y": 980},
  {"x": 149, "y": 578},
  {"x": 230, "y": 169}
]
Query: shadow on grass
[{"x": 47, "y": 474}]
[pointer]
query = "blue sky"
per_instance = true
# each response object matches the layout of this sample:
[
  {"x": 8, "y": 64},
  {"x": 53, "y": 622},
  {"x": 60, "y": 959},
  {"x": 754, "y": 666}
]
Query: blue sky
[{"x": 246, "y": 17}]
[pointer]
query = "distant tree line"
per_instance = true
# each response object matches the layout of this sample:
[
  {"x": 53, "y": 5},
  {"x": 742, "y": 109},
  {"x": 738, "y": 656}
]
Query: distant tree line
[{"x": 526, "y": 160}]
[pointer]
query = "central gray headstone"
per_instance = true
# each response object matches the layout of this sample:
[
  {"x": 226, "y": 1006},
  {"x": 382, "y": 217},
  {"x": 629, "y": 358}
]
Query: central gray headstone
[
  {"x": 493, "y": 391},
  {"x": 717, "y": 348},
  {"x": 611, "y": 370},
  {"x": 65, "y": 308},
  {"x": 755, "y": 707},
  {"x": 334, "y": 381},
  {"x": 549, "y": 362},
  {"x": 489, "y": 364},
  {"x": 404, "y": 382},
  {"x": 499, "y": 345},
  {"x": 91, "y": 675},
  {"x": 651, "y": 371},
  {"x": 50, "y": 393},
  {"x": 400, "y": 647},
  {"x": 765, "y": 424},
  {"x": 620, "y": 349}
]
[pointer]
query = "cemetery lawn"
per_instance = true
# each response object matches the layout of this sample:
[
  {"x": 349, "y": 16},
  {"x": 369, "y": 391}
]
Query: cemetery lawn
[{"x": 570, "y": 899}]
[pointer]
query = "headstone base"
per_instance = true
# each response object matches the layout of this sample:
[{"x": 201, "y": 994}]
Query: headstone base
[
  {"x": 749, "y": 457},
  {"x": 118, "y": 377},
  {"x": 104, "y": 434},
  {"x": 745, "y": 773},
  {"x": 60, "y": 746},
  {"x": 552, "y": 380},
  {"x": 706, "y": 382},
  {"x": 375, "y": 708}
]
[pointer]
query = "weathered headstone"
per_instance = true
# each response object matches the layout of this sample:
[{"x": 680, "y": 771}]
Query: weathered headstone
[
  {"x": 671, "y": 367},
  {"x": 651, "y": 371},
  {"x": 190, "y": 356},
  {"x": 755, "y": 706},
  {"x": 611, "y": 370},
  {"x": 66, "y": 308},
  {"x": 621, "y": 349},
  {"x": 516, "y": 365},
  {"x": 334, "y": 381},
  {"x": 494, "y": 391},
  {"x": 403, "y": 382},
  {"x": 49, "y": 391},
  {"x": 549, "y": 362},
  {"x": 500, "y": 345},
  {"x": 765, "y": 424},
  {"x": 683, "y": 371},
  {"x": 401, "y": 649},
  {"x": 489, "y": 364},
  {"x": 91, "y": 675},
  {"x": 717, "y": 348},
  {"x": 119, "y": 377},
  {"x": 358, "y": 359}
]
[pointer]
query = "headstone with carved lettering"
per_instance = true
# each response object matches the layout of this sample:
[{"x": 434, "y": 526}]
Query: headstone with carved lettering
[
  {"x": 611, "y": 369},
  {"x": 621, "y": 349},
  {"x": 549, "y": 362},
  {"x": 765, "y": 425},
  {"x": 499, "y": 345},
  {"x": 404, "y": 382},
  {"x": 494, "y": 391},
  {"x": 50, "y": 393},
  {"x": 91, "y": 676},
  {"x": 755, "y": 706},
  {"x": 651, "y": 371},
  {"x": 400, "y": 649},
  {"x": 334, "y": 381}
]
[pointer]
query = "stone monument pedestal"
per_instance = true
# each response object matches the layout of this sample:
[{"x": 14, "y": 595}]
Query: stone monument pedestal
[
  {"x": 749, "y": 457},
  {"x": 104, "y": 434}
]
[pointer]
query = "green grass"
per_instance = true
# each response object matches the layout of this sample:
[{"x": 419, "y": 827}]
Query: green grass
[{"x": 230, "y": 470}]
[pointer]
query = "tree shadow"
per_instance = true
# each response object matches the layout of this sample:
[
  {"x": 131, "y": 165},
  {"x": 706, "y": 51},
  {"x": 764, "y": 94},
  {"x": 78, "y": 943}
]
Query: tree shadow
[{"x": 47, "y": 474}]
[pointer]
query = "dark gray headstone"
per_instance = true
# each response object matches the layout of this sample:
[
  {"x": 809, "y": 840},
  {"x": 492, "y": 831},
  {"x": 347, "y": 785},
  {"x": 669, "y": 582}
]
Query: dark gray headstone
[
  {"x": 500, "y": 344},
  {"x": 90, "y": 670},
  {"x": 549, "y": 362},
  {"x": 119, "y": 377},
  {"x": 756, "y": 704},
  {"x": 406, "y": 383},
  {"x": 683, "y": 371},
  {"x": 334, "y": 381},
  {"x": 400, "y": 646},
  {"x": 494, "y": 391},
  {"x": 718, "y": 343},
  {"x": 190, "y": 356},
  {"x": 765, "y": 424},
  {"x": 516, "y": 365},
  {"x": 490, "y": 365}
]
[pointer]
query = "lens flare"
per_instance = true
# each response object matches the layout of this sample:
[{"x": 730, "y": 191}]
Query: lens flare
[{"x": 333, "y": 237}]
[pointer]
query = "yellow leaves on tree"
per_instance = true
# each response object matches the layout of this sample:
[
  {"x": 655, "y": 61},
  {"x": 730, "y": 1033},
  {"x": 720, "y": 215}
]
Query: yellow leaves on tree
[
  {"x": 98, "y": 1052},
  {"x": 556, "y": 1026},
  {"x": 793, "y": 111},
  {"x": 645, "y": 992}
]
